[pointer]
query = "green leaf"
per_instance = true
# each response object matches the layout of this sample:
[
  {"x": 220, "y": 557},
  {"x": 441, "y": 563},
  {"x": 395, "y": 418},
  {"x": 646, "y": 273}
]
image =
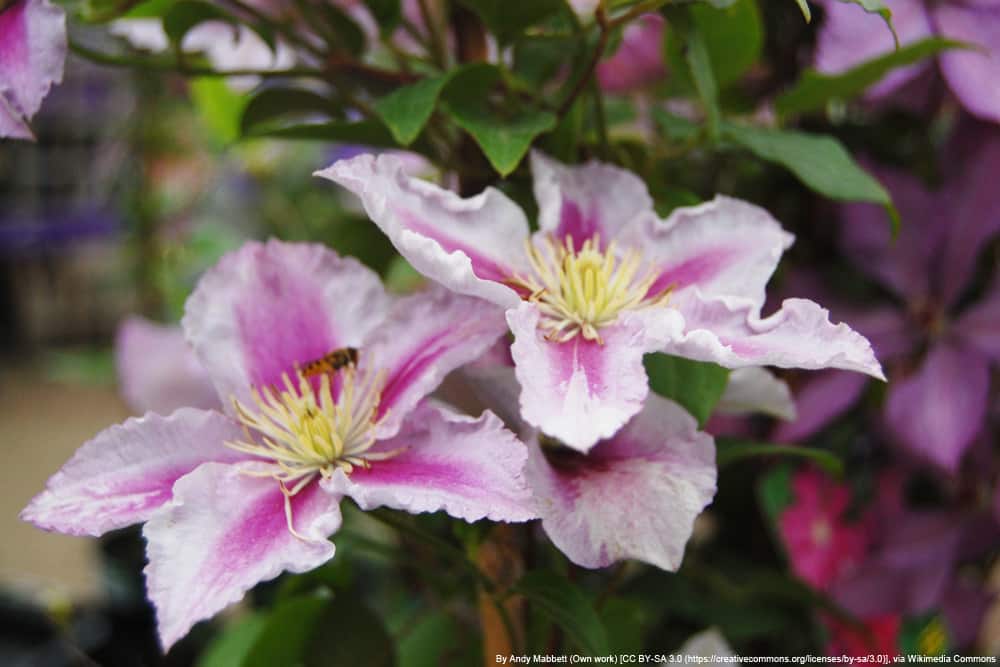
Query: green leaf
[
  {"x": 346, "y": 34},
  {"x": 504, "y": 134},
  {"x": 731, "y": 450},
  {"x": 775, "y": 492},
  {"x": 804, "y": 8},
  {"x": 367, "y": 132},
  {"x": 926, "y": 634},
  {"x": 675, "y": 128},
  {"x": 814, "y": 90},
  {"x": 507, "y": 19},
  {"x": 186, "y": 14},
  {"x": 234, "y": 644},
  {"x": 733, "y": 37},
  {"x": 436, "y": 640},
  {"x": 387, "y": 14},
  {"x": 699, "y": 64},
  {"x": 819, "y": 161},
  {"x": 273, "y": 103},
  {"x": 878, "y": 7},
  {"x": 567, "y": 606},
  {"x": 626, "y": 621},
  {"x": 695, "y": 385},
  {"x": 219, "y": 107},
  {"x": 406, "y": 110},
  {"x": 286, "y": 632},
  {"x": 149, "y": 9}
]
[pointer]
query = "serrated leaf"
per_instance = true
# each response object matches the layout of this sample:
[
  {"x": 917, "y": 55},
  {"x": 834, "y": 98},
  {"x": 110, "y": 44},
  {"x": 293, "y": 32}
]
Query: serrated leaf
[
  {"x": 271, "y": 104},
  {"x": 730, "y": 450},
  {"x": 819, "y": 161},
  {"x": 814, "y": 90},
  {"x": 695, "y": 385},
  {"x": 406, "y": 110},
  {"x": 508, "y": 19},
  {"x": 503, "y": 134},
  {"x": 567, "y": 606}
]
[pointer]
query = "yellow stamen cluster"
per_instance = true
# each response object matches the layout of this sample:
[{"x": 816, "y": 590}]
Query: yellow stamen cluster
[
  {"x": 580, "y": 291},
  {"x": 306, "y": 432}
]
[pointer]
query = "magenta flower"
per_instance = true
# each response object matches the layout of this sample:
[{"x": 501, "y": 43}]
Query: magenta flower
[
  {"x": 603, "y": 282},
  {"x": 850, "y": 36},
  {"x": 157, "y": 369},
  {"x": 638, "y": 62},
  {"x": 32, "y": 53},
  {"x": 634, "y": 495},
  {"x": 822, "y": 544},
  {"x": 230, "y": 500}
]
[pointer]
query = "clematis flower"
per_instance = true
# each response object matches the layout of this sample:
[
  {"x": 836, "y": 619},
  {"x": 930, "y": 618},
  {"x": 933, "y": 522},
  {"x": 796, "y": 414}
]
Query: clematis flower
[
  {"x": 157, "y": 369},
  {"x": 634, "y": 495},
  {"x": 32, "y": 54},
  {"x": 937, "y": 343},
  {"x": 638, "y": 62},
  {"x": 850, "y": 36},
  {"x": 822, "y": 544},
  {"x": 232, "y": 499},
  {"x": 603, "y": 282}
]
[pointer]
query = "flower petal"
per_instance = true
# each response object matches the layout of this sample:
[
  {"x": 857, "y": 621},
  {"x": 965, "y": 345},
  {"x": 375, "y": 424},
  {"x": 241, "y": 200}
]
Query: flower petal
[
  {"x": 470, "y": 468},
  {"x": 938, "y": 411},
  {"x": 593, "y": 198},
  {"x": 579, "y": 391},
  {"x": 731, "y": 333},
  {"x": 268, "y": 306},
  {"x": 32, "y": 54},
  {"x": 850, "y": 36},
  {"x": 821, "y": 399},
  {"x": 980, "y": 325},
  {"x": 755, "y": 390},
  {"x": 725, "y": 247},
  {"x": 468, "y": 245},
  {"x": 125, "y": 473},
  {"x": 157, "y": 369},
  {"x": 425, "y": 337},
  {"x": 633, "y": 496},
  {"x": 972, "y": 73},
  {"x": 224, "y": 532}
]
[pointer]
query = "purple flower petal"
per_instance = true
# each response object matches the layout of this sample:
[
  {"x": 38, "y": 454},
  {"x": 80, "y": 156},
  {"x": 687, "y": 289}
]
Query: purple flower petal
[
  {"x": 972, "y": 74},
  {"x": 224, "y": 532},
  {"x": 822, "y": 398},
  {"x": 980, "y": 325},
  {"x": 633, "y": 496},
  {"x": 32, "y": 53},
  {"x": 850, "y": 36},
  {"x": 725, "y": 247},
  {"x": 470, "y": 468},
  {"x": 590, "y": 199},
  {"x": 125, "y": 473},
  {"x": 973, "y": 214},
  {"x": 425, "y": 337},
  {"x": 938, "y": 411},
  {"x": 468, "y": 245},
  {"x": 902, "y": 264},
  {"x": 731, "y": 333},
  {"x": 268, "y": 306},
  {"x": 157, "y": 369},
  {"x": 578, "y": 391}
]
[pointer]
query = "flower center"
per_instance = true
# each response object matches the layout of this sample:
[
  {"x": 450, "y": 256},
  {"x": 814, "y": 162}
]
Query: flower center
[
  {"x": 580, "y": 291},
  {"x": 306, "y": 432}
]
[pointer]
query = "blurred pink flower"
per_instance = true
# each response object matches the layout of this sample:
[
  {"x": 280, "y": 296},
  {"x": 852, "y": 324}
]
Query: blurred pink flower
[
  {"x": 880, "y": 635},
  {"x": 32, "y": 54},
  {"x": 822, "y": 544},
  {"x": 603, "y": 282},
  {"x": 232, "y": 499},
  {"x": 638, "y": 62},
  {"x": 850, "y": 36}
]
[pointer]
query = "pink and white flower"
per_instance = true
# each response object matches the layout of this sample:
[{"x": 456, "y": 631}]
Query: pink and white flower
[
  {"x": 603, "y": 282},
  {"x": 634, "y": 495},
  {"x": 32, "y": 54},
  {"x": 232, "y": 499}
]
